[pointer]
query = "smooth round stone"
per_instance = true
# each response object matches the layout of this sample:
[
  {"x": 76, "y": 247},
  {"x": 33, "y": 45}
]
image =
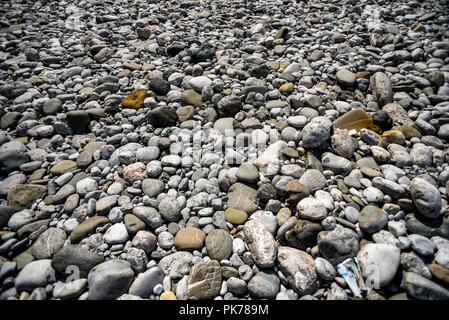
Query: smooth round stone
[
  {"x": 235, "y": 216},
  {"x": 325, "y": 269},
  {"x": 247, "y": 172},
  {"x": 426, "y": 198},
  {"x": 264, "y": 285},
  {"x": 236, "y": 286},
  {"x": 219, "y": 244},
  {"x": 352, "y": 214},
  {"x": 311, "y": 209},
  {"x": 372, "y": 219},
  {"x": 189, "y": 238},
  {"x": 345, "y": 77},
  {"x": 35, "y": 274}
]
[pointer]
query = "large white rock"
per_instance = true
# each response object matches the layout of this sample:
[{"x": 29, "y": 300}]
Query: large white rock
[
  {"x": 261, "y": 243},
  {"x": 311, "y": 209},
  {"x": 116, "y": 234},
  {"x": 268, "y": 162},
  {"x": 379, "y": 262},
  {"x": 299, "y": 268}
]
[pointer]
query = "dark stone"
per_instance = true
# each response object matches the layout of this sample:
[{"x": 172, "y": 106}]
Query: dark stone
[
  {"x": 174, "y": 49},
  {"x": 10, "y": 119},
  {"x": 78, "y": 120},
  {"x": 159, "y": 85},
  {"x": 303, "y": 235},
  {"x": 75, "y": 255},
  {"x": 266, "y": 192},
  {"x": 12, "y": 160},
  {"x": 5, "y": 213},
  {"x": 259, "y": 71},
  {"x": 207, "y": 51},
  {"x": 162, "y": 117},
  {"x": 427, "y": 227},
  {"x": 382, "y": 120}
]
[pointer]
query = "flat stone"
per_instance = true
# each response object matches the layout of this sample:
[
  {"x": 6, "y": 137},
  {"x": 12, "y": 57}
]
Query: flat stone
[
  {"x": 247, "y": 172},
  {"x": 204, "y": 281},
  {"x": 191, "y": 97},
  {"x": 421, "y": 288},
  {"x": 345, "y": 77},
  {"x": 23, "y": 195},
  {"x": 133, "y": 224},
  {"x": 75, "y": 255},
  {"x": 34, "y": 275},
  {"x": 87, "y": 226},
  {"x": 48, "y": 243},
  {"x": 242, "y": 197},
  {"x": 63, "y": 167}
]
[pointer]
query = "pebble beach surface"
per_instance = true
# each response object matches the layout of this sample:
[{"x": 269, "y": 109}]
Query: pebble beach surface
[{"x": 205, "y": 149}]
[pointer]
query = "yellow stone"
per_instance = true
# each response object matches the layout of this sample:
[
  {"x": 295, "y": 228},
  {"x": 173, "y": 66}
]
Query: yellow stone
[
  {"x": 36, "y": 175},
  {"x": 135, "y": 99},
  {"x": 321, "y": 85},
  {"x": 22, "y": 139},
  {"x": 168, "y": 295},
  {"x": 63, "y": 166},
  {"x": 355, "y": 119},
  {"x": 394, "y": 136},
  {"x": 286, "y": 88},
  {"x": 284, "y": 64},
  {"x": 235, "y": 216},
  {"x": 410, "y": 132},
  {"x": 375, "y": 128},
  {"x": 273, "y": 64}
]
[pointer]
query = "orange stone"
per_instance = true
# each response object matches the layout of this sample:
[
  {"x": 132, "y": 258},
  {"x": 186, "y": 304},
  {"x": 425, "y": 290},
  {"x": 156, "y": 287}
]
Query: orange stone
[
  {"x": 355, "y": 119},
  {"x": 135, "y": 99}
]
